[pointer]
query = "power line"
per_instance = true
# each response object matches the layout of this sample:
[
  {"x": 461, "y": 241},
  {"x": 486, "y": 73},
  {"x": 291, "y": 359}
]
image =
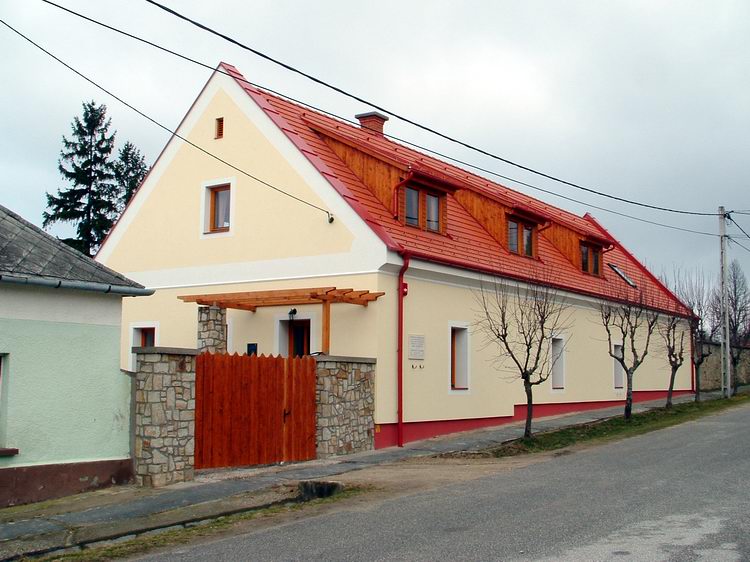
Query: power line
[
  {"x": 729, "y": 216},
  {"x": 733, "y": 241},
  {"x": 157, "y": 123},
  {"x": 392, "y": 137},
  {"x": 412, "y": 122}
]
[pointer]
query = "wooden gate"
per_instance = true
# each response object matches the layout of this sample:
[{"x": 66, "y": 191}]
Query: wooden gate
[{"x": 253, "y": 410}]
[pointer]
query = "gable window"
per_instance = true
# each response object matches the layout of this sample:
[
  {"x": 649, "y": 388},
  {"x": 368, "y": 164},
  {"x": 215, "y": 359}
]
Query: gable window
[
  {"x": 425, "y": 209},
  {"x": 219, "y": 130},
  {"x": 459, "y": 358},
  {"x": 591, "y": 258},
  {"x": 521, "y": 237},
  {"x": 219, "y": 208}
]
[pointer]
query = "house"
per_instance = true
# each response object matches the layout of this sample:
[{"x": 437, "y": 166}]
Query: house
[
  {"x": 299, "y": 211},
  {"x": 64, "y": 403}
]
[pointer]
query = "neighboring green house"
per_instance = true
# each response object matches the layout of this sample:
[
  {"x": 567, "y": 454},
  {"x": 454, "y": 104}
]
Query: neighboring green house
[{"x": 64, "y": 402}]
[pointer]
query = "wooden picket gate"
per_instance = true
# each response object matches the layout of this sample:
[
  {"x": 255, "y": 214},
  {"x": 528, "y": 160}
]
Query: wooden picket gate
[{"x": 253, "y": 410}]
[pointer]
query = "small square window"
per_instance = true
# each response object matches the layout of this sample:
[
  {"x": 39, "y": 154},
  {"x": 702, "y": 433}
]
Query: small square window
[
  {"x": 557, "y": 350},
  {"x": 619, "y": 371},
  {"x": 147, "y": 337},
  {"x": 219, "y": 131},
  {"x": 219, "y": 208}
]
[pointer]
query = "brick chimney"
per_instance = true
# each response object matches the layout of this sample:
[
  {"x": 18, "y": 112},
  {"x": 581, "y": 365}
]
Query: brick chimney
[{"x": 373, "y": 121}]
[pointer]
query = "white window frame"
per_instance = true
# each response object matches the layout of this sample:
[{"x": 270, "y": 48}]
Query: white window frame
[
  {"x": 554, "y": 363},
  {"x": 132, "y": 327},
  {"x": 461, "y": 325},
  {"x": 205, "y": 203},
  {"x": 617, "y": 369}
]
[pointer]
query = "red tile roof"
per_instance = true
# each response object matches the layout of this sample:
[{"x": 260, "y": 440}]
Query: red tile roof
[{"x": 466, "y": 243}]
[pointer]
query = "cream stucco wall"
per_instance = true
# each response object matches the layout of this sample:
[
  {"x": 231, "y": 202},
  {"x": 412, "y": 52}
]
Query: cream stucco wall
[{"x": 62, "y": 397}]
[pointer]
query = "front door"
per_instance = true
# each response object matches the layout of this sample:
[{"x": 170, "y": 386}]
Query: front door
[{"x": 299, "y": 338}]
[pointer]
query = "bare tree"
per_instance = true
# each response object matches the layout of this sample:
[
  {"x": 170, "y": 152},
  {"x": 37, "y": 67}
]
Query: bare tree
[
  {"x": 674, "y": 344},
  {"x": 739, "y": 315},
  {"x": 630, "y": 326},
  {"x": 693, "y": 290},
  {"x": 523, "y": 320}
]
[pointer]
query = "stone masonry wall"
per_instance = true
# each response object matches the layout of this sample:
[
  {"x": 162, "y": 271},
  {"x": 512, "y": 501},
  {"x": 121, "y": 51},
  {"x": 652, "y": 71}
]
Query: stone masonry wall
[
  {"x": 711, "y": 369},
  {"x": 212, "y": 329},
  {"x": 164, "y": 416},
  {"x": 345, "y": 405}
]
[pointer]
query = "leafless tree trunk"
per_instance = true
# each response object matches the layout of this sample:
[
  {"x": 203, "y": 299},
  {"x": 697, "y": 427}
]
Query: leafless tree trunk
[
  {"x": 674, "y": 345},
  {"x": 626, "y": 324},
  {"x": 693, "y": 290},
  {"x": 523, "y": 320},
  {"x": 739, "y": 316}
]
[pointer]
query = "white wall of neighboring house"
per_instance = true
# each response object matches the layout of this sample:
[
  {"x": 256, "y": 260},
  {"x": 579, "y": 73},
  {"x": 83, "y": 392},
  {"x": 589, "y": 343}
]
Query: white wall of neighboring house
[{"x": 63, "y": 398}]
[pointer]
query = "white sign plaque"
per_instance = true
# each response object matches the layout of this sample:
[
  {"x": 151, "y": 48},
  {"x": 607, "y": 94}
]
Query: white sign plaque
[{"x": 416, "y": 347}]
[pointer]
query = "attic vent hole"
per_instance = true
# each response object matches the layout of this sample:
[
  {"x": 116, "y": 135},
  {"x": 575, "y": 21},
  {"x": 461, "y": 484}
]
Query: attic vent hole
[{"x": 219, "y": 128}]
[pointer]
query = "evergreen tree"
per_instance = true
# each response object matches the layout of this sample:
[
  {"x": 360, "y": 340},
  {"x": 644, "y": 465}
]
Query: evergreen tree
[
  {"x": 130, "y": 168},
  {"x": 92, "y": 200}
]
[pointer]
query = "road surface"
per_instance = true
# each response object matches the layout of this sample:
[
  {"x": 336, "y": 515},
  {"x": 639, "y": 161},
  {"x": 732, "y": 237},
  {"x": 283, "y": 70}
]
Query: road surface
[{"x": 676, "y": 494}]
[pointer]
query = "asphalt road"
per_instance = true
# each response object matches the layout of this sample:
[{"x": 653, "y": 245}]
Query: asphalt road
[{"x": 677, "y": 494}]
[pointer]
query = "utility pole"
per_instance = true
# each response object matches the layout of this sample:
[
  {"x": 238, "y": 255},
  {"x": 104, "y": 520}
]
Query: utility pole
[{"x": 726, "y": 344}]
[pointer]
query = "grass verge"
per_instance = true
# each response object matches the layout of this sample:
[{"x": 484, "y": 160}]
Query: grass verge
[
  {"x": 145, "y": 543},
  {"x": 609, "y": 429}
]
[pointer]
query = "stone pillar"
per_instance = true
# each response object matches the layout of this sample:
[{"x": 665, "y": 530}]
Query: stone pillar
[
  {"x": 345, "y": 405},
  {"x": 212, "y": 329},
  {"x": 164, "y": 415}
]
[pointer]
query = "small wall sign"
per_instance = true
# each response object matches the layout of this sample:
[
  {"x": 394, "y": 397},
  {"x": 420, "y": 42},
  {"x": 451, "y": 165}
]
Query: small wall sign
[{"x": 416, "y": 347}]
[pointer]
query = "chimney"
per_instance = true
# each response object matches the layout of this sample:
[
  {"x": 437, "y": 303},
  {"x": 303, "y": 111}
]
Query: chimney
[{"x": 373, "y": 121}]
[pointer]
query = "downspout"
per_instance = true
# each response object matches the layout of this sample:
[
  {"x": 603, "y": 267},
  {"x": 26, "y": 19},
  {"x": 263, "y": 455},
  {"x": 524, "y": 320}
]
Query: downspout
[
  {"x": 402, "y": 291},
  {"x": 396, "y": 190}
]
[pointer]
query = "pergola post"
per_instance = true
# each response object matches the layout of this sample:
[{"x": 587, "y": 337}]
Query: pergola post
[{"x": 326, "y": 339}]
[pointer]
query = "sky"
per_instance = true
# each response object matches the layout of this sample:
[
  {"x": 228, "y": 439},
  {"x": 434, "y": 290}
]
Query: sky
[{"x": 645, "y": 100}]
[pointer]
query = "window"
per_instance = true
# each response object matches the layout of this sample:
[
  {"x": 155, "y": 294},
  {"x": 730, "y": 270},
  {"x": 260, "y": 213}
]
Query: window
[
  {"x": 513, "y": 236},
  {"x": 433, "y": 212},
  {"x": 219, "y": 131},
  {"x": 219, "y": 208},
  {"x": 459, "y": 358},
  {"x": 557, "y": 349},
  {"x": 619, "y": 371},
  {"x": 147, "y": 337},
  {"x": 521, "y": 238},
  {"x": 412, "y": 206},
  {"x": 425, "y": 209},
  {"x": 591, "y": 258}
]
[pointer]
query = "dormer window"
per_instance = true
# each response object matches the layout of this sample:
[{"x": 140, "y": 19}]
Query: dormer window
[
  {"x": 521, "y": 237},
  {"x": 424, "y": 209},
  {"x": 591, "y": 259}
]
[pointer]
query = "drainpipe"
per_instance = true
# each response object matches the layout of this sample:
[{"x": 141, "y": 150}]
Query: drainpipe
[
  {"x": 396, "y": 189},
  {"x": 402, "y": 291}
]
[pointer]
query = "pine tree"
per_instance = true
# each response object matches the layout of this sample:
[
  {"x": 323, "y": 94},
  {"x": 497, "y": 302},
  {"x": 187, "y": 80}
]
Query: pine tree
[
  {"x": 92, "y": 200},
  {"x": 130, "y": 168}
]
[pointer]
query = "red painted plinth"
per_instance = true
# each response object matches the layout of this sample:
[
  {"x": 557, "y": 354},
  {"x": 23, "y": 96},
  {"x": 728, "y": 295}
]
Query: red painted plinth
[{"x": 414, "y": 431}]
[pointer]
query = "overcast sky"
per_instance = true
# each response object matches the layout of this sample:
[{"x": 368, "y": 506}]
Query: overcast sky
[{"x": 646, "y": 100}]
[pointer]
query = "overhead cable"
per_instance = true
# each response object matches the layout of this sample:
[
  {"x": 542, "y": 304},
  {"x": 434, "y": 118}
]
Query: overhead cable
[
  {"x": 171, "y": 131},
  {"x": 415, "y": 123}
]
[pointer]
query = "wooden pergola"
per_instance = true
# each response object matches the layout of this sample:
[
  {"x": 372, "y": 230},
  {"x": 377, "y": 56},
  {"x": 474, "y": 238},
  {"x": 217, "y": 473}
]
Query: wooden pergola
[{"x": 252, "y": 300}]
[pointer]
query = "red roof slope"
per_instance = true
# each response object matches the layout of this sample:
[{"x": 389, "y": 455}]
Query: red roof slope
[{"x": 466, "y": 243}]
